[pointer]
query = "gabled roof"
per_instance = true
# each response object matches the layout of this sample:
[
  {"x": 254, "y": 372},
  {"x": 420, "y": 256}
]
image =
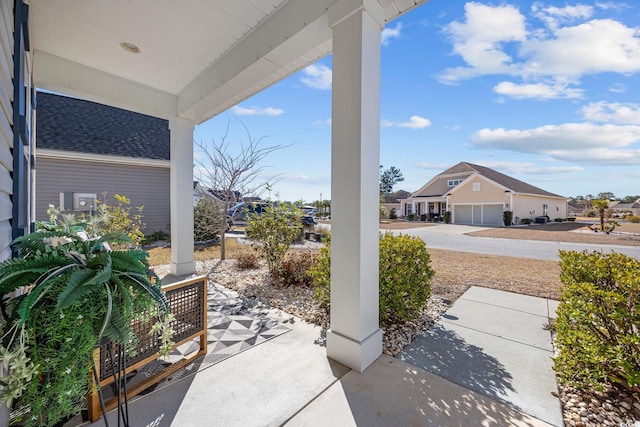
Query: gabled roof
[
  {"x": 75, "y": 125},
  {"x": 465, "y": 169}
]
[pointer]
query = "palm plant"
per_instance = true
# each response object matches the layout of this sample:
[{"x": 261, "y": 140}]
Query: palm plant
[{"x": 62, "y": 296}]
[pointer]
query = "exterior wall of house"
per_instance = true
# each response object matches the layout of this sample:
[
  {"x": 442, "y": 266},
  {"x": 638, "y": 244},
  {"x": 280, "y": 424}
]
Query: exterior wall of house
[
  {"x": 530, "y": 206},
  {"x": 6, "y": 124},
  {"x": 440, "y": 185},
  {"x": 487, "y": 193},
  {"x": 144, "y": 185}
]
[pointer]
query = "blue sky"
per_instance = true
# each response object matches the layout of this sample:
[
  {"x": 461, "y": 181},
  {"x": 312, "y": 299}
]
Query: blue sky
[{"x": 547, "y": 92}]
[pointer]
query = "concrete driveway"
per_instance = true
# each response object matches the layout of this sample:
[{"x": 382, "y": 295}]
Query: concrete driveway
[{"x": 452, "y": 237}]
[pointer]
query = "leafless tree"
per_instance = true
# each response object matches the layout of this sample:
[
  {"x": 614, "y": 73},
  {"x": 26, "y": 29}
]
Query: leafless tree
[{"x": 231, "y": 170}]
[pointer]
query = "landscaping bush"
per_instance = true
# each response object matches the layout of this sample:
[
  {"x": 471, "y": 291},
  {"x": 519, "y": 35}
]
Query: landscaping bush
[
  {"x": 525, "y": 221},
  {"x": 507, "y": 218},
  {"x": 591, "y": 214},
  {"x": 633, "y": 218},
  {"x": 275, "y": 230},
  {"x": 598, "y": 320},
  {"x": 295, "y": 269},
  {"x": 383, "y": 213},
  {"x": 423, "y": 217},
  {"x": 247, "y": 261},
  {"x": 559, "y": 220},
  {"x": 209, "y": 219},
  {"x": 571, "y": 219},
  {"x": 447, "y": 217},
  {"x": 411, "y": 217},
  {"x": 405, "y": 276},
  {"x": 393, "y": 214}
]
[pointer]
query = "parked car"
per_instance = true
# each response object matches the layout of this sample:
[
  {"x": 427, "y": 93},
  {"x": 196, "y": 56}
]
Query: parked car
[{"x": 308, "y": 221}]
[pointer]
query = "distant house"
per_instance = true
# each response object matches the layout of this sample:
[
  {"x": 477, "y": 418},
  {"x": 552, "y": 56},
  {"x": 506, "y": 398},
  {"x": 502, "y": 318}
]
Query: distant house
[
  {"x": 85, "y": 148},
  {"x": 626, "y": 208},
  {"x": 478, "y": 195}
]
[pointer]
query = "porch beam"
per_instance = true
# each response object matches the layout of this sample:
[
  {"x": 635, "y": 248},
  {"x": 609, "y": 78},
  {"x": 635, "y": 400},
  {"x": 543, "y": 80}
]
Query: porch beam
[
  {"x": 63, "y": 76},
  {"x": 355, "y": 338},
  {"x": 181, "y": 188}
]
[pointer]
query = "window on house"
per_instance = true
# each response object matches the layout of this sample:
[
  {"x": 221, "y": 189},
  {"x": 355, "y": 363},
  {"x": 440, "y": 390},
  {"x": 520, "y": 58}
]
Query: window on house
[
  {"x": 476, "y": 186},
  {"x": 453, "y": 182},
  {"x": 545, "y": 209}
]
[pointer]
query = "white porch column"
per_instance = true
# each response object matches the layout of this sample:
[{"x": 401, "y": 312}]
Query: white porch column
[
  {"x": 355, "y": 338},
  {"x": 181, "y": 196}
]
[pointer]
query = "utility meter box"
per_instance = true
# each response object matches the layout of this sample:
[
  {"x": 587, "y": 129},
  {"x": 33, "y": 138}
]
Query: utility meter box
[{"x": 78, "y": 201}]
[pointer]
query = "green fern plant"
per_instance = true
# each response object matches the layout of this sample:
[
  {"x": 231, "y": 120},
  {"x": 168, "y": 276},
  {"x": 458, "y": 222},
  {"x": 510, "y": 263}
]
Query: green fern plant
[{"x": 73, "y": 292}]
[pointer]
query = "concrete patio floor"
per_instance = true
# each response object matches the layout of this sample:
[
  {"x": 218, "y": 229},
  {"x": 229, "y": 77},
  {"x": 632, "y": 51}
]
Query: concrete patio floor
[{"x": 486, "y": 362}]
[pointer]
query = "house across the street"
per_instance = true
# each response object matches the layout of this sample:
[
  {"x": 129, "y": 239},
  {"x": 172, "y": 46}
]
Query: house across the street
[
  {"x": 478, "y": 195},
  {"x": 86, "y": 149}
]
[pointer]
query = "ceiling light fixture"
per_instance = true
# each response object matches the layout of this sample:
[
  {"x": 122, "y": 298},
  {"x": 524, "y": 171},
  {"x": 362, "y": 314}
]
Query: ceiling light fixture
[{"x": 130, "y": 47}]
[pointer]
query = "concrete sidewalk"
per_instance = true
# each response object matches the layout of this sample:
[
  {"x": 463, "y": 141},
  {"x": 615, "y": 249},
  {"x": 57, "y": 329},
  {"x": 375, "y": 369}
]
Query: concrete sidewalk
[{"x": 487, "y": 362}]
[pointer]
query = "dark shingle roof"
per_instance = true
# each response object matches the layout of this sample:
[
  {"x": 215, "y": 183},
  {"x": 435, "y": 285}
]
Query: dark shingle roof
[
  {"x": 75, "y": 125},
  {"x": 512, "y": 184}
]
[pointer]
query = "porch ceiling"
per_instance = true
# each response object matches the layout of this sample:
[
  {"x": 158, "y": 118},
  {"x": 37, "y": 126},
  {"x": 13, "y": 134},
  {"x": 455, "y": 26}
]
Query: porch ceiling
[{"x": 196, "y": 58}]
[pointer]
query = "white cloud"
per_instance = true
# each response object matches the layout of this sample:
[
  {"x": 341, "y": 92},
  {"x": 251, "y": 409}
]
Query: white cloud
[
  {"x": 524, "y": 168},
  {"x": 257, "y": 111},
  {"x": 415, "y": 122},
  {"x": 390, "y": 33},
  {"x": 553, "y": 16},
  {"x": 495, "y": 40},
  {"x": 480, "y": 39},
  {"x": 317, "y": 76},
  {"x": 537, "y": 91},
  {"x": 612, "y": 112},
  {"x": 618, "y": 88},
  {"x": 434, "y": 166},
  {"x": 575, "y": 142},
  {"x": 325, "y": 122},
  {"x": 597, "y": 46}
]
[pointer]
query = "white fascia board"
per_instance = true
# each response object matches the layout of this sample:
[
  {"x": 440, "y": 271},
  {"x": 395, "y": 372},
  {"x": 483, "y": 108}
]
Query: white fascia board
[
  {"x": 67, "y": 77},
  {"x": 43, "y": 153},
  {"x": 294, "y": 30},
  {"x": 540, "y": 196}
]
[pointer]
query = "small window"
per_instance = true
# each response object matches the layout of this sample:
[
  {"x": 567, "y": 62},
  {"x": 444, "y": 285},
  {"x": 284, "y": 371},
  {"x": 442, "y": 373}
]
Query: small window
[
  {"x": 476, "y": 186},
  {"x": 545, "y": 209},
  {"x": 453, "y": 182}
]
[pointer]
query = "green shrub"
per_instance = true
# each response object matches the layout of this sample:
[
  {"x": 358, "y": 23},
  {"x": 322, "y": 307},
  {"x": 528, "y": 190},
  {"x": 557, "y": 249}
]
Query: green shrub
[
  {"x": 247, "y": 261},
  {"x": 156, "y": 236},
  {"x": 591, "y": 214},
  {"x": 405, "y": 276},
  {"x": 598, "y": 319},
  {"x": 571, "y": 219},
  {"x": 423, "y": 217},
  {"x": 447, "y": 217},
  {"x": 383, "y": 213},
  {"x": 393, "y": 214},
  {"x": 525, "y": 221},
  {"x": 507, "y": 218},
  {"x": 633, "y": 218},
  {"x": 209, "y": 219},
  {"x": 411, "y": 217},
  {"x": 559, "y": 220},
  {"x": 295, "y": 269},
  {"x": 275, "y": 230}
]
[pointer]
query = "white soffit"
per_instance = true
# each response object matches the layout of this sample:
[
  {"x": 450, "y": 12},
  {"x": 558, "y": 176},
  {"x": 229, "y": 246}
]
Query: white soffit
[{"x": 197, "y": 58}]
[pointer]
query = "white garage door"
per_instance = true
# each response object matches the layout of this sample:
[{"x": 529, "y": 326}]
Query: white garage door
[
  {"x": 492, "y": 215},
  {"x": 463, "y": 214},
  {"x": 478, "y": 214}
]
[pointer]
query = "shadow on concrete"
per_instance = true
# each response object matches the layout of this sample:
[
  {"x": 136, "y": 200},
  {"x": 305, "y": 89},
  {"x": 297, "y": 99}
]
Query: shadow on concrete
[
  {"x": 445, "y": 353},
  {"x": 391, "y": 392}
]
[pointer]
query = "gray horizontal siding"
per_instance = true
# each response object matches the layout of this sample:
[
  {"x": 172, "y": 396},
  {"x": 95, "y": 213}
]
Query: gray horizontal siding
[
  {"x": 145, "y": 186},
  {"x": 6, "y": 129}
]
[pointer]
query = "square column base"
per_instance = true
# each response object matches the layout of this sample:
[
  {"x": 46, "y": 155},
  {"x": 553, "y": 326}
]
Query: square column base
[
  {"x": 353, "y": 354},
  {"x": 182, "y": 269}
]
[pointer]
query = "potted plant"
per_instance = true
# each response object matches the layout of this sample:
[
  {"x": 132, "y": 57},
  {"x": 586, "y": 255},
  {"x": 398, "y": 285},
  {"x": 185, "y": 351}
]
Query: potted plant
[{"x": 63, "y": 295}]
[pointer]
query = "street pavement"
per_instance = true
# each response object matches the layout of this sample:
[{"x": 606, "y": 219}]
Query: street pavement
[{"x": 452, "y": 237}]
